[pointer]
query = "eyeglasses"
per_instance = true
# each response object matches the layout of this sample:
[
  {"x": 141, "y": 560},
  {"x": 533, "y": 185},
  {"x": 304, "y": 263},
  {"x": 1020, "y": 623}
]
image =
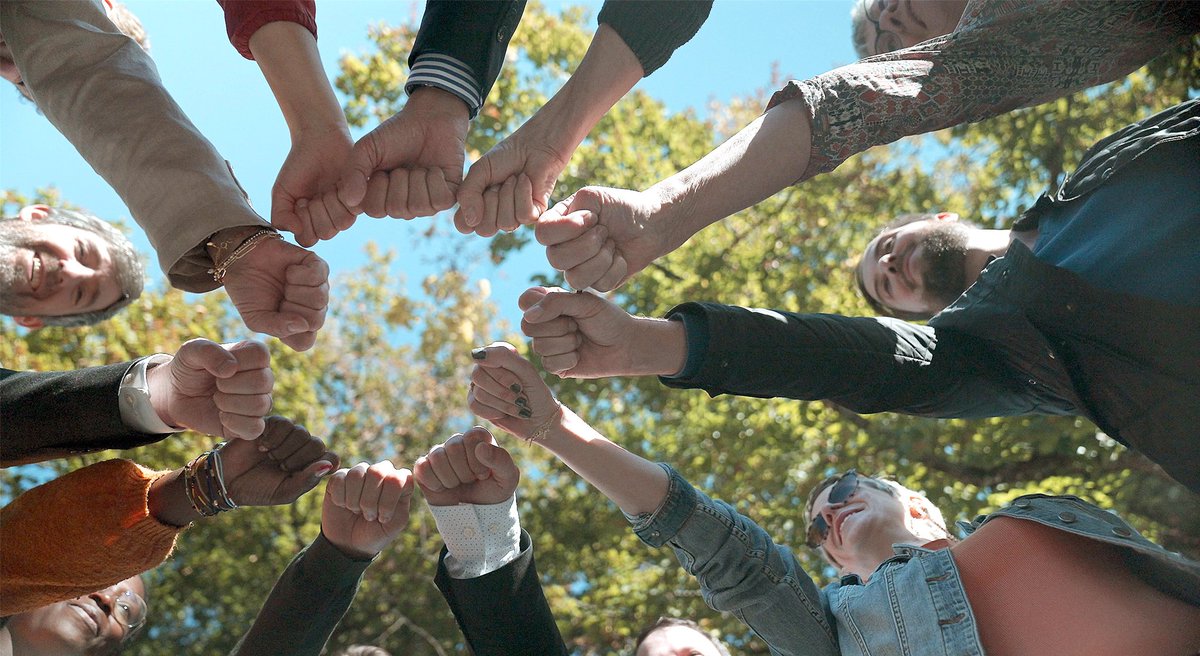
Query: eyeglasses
[
  {"x": 844, "y": 488},
  {"x": 885, "y": 41},
  {"x": 129, "y": 610}
]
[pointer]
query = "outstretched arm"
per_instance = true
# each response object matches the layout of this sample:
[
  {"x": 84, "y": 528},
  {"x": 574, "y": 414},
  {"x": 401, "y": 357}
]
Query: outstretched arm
[
  {"x": 365, "y": 508},
  {"x": 993, "y": 63},
  {"x": 739, "y": 568},
  {"x": 632, "y": 482},
  {"x": 287, "y": 54}
]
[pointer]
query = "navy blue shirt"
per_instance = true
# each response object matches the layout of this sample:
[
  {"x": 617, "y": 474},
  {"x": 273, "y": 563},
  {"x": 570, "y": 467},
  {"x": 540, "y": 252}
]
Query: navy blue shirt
[{"x": 1139, "y": 233}]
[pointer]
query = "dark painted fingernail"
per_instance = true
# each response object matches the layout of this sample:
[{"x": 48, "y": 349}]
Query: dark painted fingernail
[
  {"x": 526, "y": 413},
  {"x": 521, "y": 401},
  {"x": 515, "y": 388},
  {"x": 479, "y": 353}
]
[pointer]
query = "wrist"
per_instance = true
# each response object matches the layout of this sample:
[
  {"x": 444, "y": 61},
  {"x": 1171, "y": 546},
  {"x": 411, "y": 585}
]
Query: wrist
[
  {"x": 232, "y": 244},
  {"x": 167, "y": 500},
  {"x": 673, "y": 212},
  {"x": 349, "y": 550},
  {"x": 158, "y": 383},
  {"x": 435, "y": 100},
  {"x": 662, "y": 348}
]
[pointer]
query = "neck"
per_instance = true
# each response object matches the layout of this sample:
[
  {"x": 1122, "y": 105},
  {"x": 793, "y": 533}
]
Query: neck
[{"x": 982, "y": 246}]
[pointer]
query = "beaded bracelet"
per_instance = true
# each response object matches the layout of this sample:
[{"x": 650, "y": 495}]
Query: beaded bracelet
[
  {"x": 204, "y": 484},
  {"x": 219, "y": 270}
]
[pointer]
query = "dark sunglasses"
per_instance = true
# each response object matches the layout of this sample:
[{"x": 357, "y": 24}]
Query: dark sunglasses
[{"x": 843, "y": 489}]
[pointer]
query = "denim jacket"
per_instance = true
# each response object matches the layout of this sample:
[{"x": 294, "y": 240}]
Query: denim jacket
[{"x": 914, "y": 603}]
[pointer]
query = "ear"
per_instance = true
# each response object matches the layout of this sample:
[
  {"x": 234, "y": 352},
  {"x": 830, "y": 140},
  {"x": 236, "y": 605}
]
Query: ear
[
  {"x": 32, "y": 323},
  {"x": 34, "y": 212},
  {"x": 946, "y": 216}
]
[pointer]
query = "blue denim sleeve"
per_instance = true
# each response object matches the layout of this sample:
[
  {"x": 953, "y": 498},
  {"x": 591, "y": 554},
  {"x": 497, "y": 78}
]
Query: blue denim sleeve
[{"x": 740, "y": 569}]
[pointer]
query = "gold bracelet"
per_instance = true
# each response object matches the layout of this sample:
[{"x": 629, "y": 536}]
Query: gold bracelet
[
  {"x": 219, "y": 270},
  {"x": 544, "y": 429}
]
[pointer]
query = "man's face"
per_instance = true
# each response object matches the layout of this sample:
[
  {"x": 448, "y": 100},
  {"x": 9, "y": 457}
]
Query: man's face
[
  {"x": 83, "y": 625},
  {"x": 48, "y": 269},
  {"x": 863, "y": 528},
  {"x": 917, "y": 267},
  {"x": 677, "y": 641},
  {"x": 910, "y": 21}
]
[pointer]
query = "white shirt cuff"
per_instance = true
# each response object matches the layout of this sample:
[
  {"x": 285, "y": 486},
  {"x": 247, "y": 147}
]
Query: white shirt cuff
[
  {"x": 133, "y": 397},
  {"x": 479, "y": 538},
  {"x": 448, "y": 74}
]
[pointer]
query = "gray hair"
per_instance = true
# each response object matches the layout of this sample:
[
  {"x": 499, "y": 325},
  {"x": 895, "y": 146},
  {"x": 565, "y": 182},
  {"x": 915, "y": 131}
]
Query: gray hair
[
  {"x": 858, "y": 29},
  {"x": 126, "y": 262}
]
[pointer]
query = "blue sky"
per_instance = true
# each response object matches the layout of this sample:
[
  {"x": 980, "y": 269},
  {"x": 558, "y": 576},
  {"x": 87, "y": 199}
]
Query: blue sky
[{"x": 226, "y": 97}]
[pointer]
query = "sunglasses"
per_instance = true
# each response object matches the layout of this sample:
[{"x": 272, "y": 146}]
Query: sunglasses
[{"x": 844, "y": 488}]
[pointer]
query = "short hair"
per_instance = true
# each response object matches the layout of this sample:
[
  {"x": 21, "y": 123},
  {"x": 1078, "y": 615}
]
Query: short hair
[
  {"x": 665, "y": 621},
  {"x": 858, "y": 29},
  {"x": 363, "y": 650},
  {"x": 126, "y": 262},
  {"x": 879, "y": 482},
  {"x": 876, "y": 306},
  {"x": 129, "y": 24}
]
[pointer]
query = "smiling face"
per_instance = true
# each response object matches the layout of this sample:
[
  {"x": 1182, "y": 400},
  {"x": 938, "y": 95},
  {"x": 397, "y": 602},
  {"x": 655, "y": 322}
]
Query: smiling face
[
  {"x": 83, "y": 625},
  {"x": 863, "y": 528},
  {"x": 914, "y": 270},
  {"x": 49, "y": 269}
]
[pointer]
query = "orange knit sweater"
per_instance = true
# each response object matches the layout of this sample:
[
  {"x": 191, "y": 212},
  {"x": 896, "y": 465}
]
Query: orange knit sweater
[{"x": 79, "y": 533}]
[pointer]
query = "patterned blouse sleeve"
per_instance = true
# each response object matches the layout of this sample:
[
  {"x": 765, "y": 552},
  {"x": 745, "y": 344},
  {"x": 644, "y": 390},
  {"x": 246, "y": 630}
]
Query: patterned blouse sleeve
[{"x": 1004, "y": 55}]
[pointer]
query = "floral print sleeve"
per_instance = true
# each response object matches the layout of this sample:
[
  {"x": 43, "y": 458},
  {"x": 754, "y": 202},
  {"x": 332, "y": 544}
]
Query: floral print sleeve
[{"x": 1004, "y": 55}]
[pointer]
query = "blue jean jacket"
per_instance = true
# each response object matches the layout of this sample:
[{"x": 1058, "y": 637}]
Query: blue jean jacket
[{"x": 914, "y": 603}]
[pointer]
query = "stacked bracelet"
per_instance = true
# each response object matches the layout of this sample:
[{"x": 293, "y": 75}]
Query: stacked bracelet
[
  {"x": 204, "y": 482},
  {"x": 544, "y": 429},
  {"x": 221, "y": 268}
]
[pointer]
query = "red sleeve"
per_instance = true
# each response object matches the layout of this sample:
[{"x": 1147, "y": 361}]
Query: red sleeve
[{"x": 244, "y": 17}]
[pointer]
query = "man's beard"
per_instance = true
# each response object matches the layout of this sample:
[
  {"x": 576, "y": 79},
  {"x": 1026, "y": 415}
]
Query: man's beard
[
  {"x": 945, "y": 256},
  {"x": 15, "y": 236}
]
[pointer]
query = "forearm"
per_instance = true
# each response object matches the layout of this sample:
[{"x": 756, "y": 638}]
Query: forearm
[
  {"x": 103, "y": 93},
  {"x": 635, "y": 484},
  {"x": 763, "y": 158},
  {"x": 306, "y": 604},
  {"x": 608, "y": 71},
  {"x": 287, "y": 54},
  {"x": 103, "y": 533}
]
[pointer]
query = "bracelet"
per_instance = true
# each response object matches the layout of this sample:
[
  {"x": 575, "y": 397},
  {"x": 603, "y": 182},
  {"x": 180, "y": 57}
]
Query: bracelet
[
  {"x": 220, "y": 269},
  {"x": 544, "y": 429},
  {"x": 204, "y": 484}
]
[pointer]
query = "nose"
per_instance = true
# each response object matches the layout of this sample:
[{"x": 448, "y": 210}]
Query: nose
[{"x": 106, "y": 599}]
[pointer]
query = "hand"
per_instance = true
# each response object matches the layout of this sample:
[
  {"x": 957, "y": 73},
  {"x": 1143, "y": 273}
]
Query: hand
[
  {"x": 511, "y": 184},
  {"x": 218, "y": 389},
  {"x": 582, "y": 335},
  {"x": 366, "y": 507},
  {"x": 600, "y": 237},
  {"x": 312, "y": 167},
  {"x": 468, "y": 468},
  {"x": 411, "y": 165},
  {"x": 278, "y": 467},
  {"x": 281, "y": 290},
  {"x": 507, "y": 391}
]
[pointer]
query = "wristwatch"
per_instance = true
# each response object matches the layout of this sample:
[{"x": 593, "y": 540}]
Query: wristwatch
[{"x": 137, "y": 411}]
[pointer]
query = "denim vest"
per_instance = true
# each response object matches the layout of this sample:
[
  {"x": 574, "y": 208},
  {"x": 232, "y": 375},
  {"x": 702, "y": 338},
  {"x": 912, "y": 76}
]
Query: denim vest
[{"x": 913, "y": 604}]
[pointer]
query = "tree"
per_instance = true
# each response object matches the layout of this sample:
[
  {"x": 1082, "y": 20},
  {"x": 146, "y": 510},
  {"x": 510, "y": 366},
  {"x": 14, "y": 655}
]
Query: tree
[{"x": 388, "y": 379}]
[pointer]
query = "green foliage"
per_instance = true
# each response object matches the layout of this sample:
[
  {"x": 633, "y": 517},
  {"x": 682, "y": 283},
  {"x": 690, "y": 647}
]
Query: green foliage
[{"x": 388, "y": 377}]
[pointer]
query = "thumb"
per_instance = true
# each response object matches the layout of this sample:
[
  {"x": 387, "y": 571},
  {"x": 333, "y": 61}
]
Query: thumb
[
  {"x": 318, "y": 469},
  {"x": 470, "y": 192},
  {"x": 205, "y": 355},
  {"x": 498, "y": 459},
  {"x": 365, "y": 158}
]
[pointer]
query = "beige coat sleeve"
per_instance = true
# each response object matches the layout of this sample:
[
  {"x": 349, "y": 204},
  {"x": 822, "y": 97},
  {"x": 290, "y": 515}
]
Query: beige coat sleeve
[{"x": 102, "y": 91}]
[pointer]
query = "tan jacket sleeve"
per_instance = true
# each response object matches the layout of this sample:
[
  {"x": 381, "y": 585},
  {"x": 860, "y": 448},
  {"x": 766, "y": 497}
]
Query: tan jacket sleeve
[
  {"x": 79, "y": 533},
  {"x": 102, "y": 91}
]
